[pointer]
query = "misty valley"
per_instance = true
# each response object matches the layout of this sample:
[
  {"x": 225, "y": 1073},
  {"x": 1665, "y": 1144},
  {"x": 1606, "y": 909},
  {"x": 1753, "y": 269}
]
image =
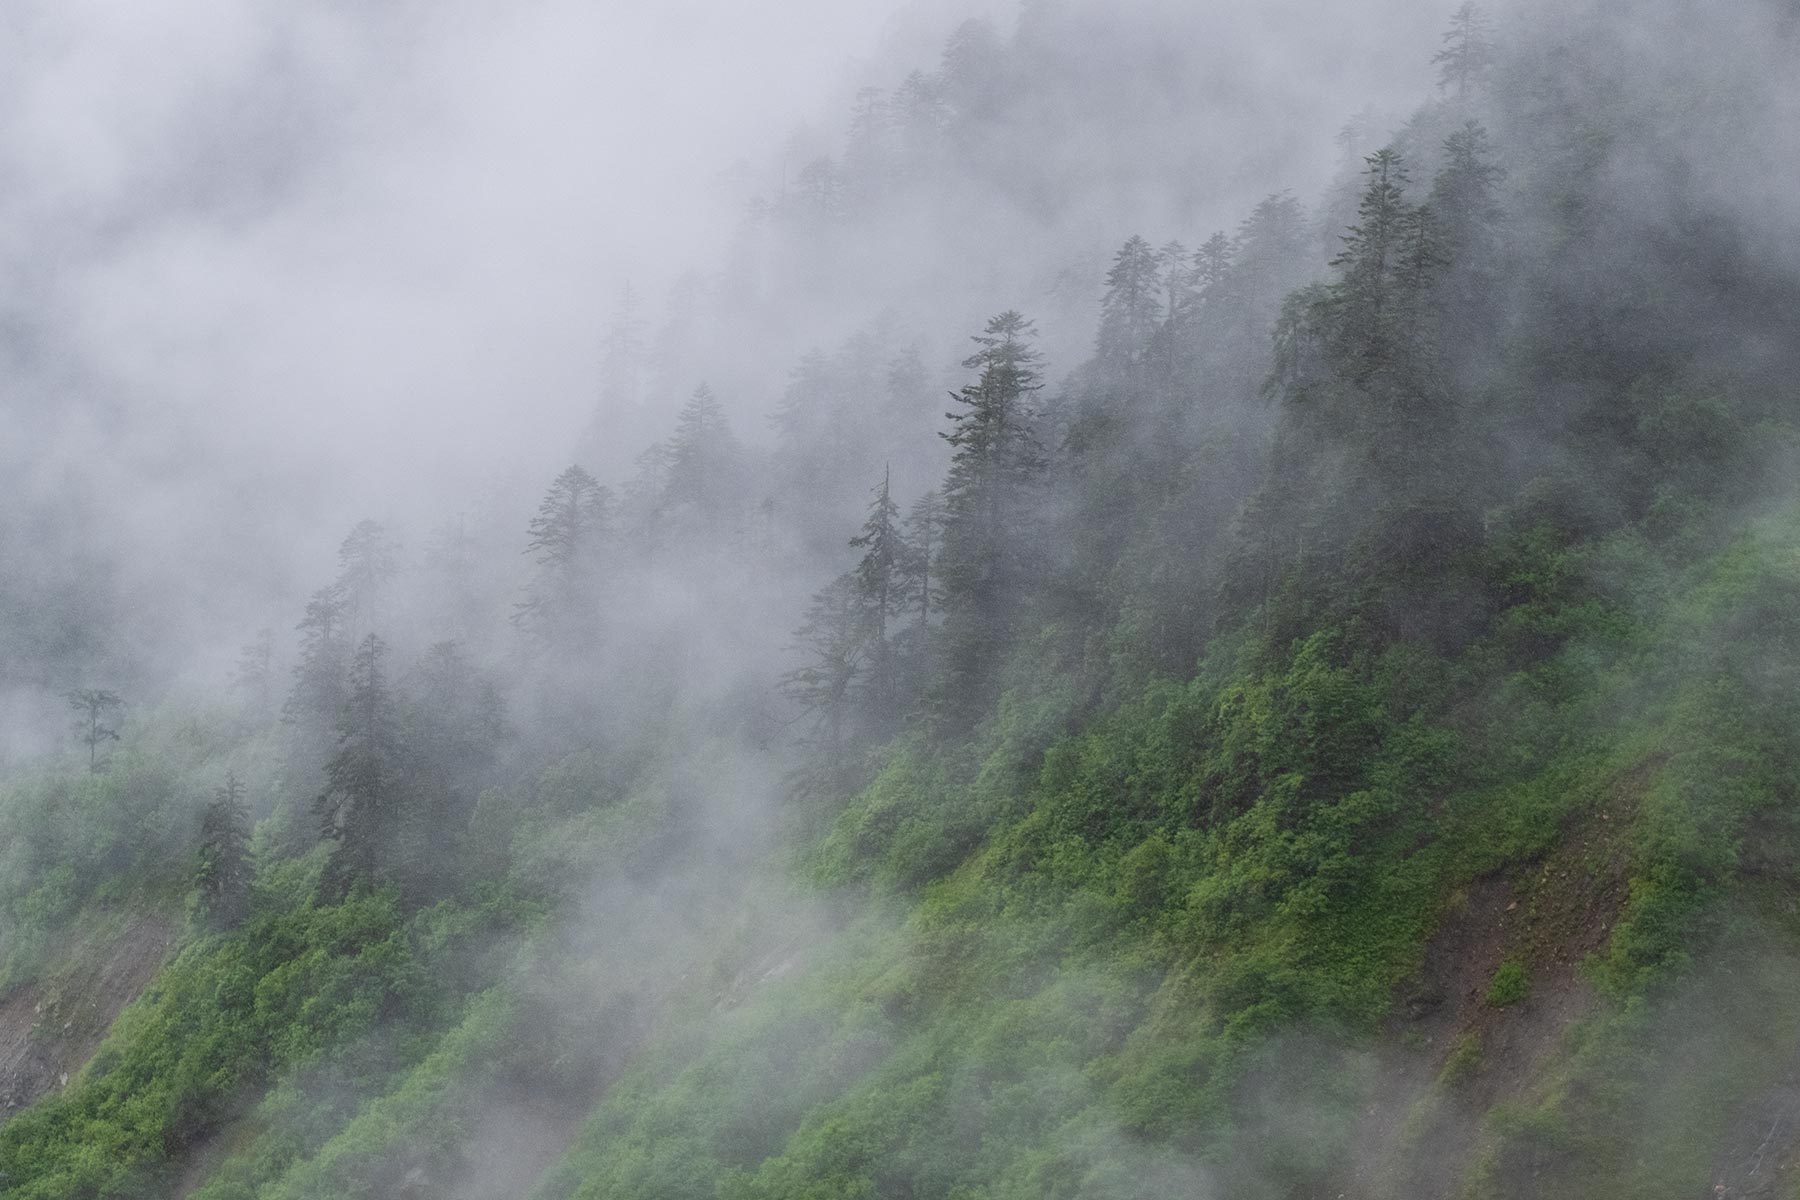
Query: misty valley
[{"x": 952, "y": 600}]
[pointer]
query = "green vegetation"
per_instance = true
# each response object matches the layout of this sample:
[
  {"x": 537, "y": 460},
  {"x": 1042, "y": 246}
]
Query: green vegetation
[
  {"x": 1511, "y": 985},
  {"x": 1339, "y": 740}
]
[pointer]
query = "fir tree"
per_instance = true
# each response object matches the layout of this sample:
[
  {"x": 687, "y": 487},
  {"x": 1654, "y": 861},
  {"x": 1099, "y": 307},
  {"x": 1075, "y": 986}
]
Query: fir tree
[
  {"x": 222, "y": 875},
  {"x": 573, "y": 515},
  {"x": 704, "y": 458},
  {"x": 924, "y": 535},
  {"x": 1132, "y": 308},
  {"x": 1211, "y": 265},
  {"x": 996, "y": 463},
  {"x": 252, "y": 675},
  {"x": 453, "y": 724},
  {"x": 359, "y": 810},
  {"x": 833, "y": 640},
  {"x": 1362, "y": 302},
  {"x": 1174, "y": 267},
  {"x": 572, "y": 522},
  {"x": 868, "y": 150},
  {"x": 96, "y": 720},
  {"x": 368, "y": 560},
  {"x": 317, "y": 696},
  {"x": 1467, "y": 218},
  {"x": 1468, "y": 54},
  {"x": 878, "y": 581}
]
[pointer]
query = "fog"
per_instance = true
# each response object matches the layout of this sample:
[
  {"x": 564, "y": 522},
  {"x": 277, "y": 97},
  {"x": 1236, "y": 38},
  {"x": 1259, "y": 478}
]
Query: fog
[{"x": 272, "y": 272}]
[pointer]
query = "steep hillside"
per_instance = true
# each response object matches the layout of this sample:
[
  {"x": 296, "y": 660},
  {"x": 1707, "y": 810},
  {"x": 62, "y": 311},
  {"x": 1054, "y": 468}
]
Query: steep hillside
[{"x": 1335, "y": 738}]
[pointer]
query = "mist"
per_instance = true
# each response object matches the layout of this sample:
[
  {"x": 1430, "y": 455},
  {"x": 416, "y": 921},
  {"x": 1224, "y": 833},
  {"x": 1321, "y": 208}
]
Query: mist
[{"x": 954, "y": 598}]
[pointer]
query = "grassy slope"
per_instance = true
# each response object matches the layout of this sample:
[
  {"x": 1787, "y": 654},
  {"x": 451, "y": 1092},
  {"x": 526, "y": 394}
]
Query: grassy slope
[{"x": 1194, "y": 941}]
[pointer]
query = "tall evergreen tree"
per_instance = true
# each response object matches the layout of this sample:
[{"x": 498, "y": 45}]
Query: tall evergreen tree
[
  {"x": 252, "y": 675},
  {"x": 834, "y": 641},
  {"x": 566, "y": 538},
  {"x": 878, "y": 580},
  {"x": 317, "y": 696},
  {"x": 704, "y": 458},
  {"x": 1467, "y": 216},
  {"x": 1175, "y": 267},
  {"x": 1132, "y": 307},
  {"x": 988, "y": 498},
  {"x": 1363, "y": 303},
  {"x": 453, "y": 724},
  {"x": 1468, "y": 55},
  {"x": 917, "y": 581},
  {"x": 368, "y": 560},
  {"x": 222, "y": 873},
  {"x": 96, "y": 720},
  {"x": 360, "y": 808}
]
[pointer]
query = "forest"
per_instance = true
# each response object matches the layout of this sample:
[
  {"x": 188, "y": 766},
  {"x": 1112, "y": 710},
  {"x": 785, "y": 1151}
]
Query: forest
[{"x": 1097, "y": 644}]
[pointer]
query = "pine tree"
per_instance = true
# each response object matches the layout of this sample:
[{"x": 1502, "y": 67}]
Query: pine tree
[
  {"x": 222, "y": 875},
  {"x": 834, "y": 640},
  {"x": 704, "y": 458},
  {"x": 996, "y": 463},
  {"x": 1132, "y": 308},
  {"x": 878, "y": 581},
  {"x": 1212, "y": 263},
  {"x": 868, "y": 149},
  {"x": 96, "y": 720},
  {"x": 359, "y": 809},
  {"x": 1467, "y": 216},
  {"x": 1468, "y": 55},
  {"x": 819, "y": 194},
  {"x": 924, "y": 537},
  {"x": 1362, "y": 303},
  {"x": 566, "y": 536},
  {"x": 252, "y": 675},
  {"x": 920, "y": 115},
  {"x": 453, "y": 723},
  {"x": 367, "y": 562},
  {"x": 317, "y": 696},
  {"x": 1174, "y": 266}
]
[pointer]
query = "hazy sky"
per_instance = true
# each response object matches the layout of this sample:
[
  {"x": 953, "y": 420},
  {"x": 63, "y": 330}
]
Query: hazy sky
[{"x": 275, "y": 267}]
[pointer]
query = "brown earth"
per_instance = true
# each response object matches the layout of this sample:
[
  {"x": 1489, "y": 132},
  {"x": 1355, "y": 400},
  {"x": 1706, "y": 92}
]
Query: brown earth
[
  {"x": 49, "y": 1029},
  {"x": 1449, "y": 1055}
]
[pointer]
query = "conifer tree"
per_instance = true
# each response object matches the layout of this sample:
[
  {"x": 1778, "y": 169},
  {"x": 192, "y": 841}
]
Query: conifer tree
[
  {"x": 878, "y": 581},
  {"x": 834, "y": 640},
  {"x": 253, "y": 668},
  {"x": 367, "y": 562},
  {"x": 704, "y": 458},
  {"x": 1212, "y": 263},
  {"x": 924, "y": 535},
  {"x": 920, "y": 116},
  {"x": 317, "y": 696},
  {"x": 1467, "y": 216},
  {"x": 359, "y": 810},
  {"x": 868, "y": 150},
  {"x": 1362, "y": 302},
  {"x": 1468, "y": 55},
  {"x": 222, "y": 874},
  {"x": 1174, "y": 265},
  {"x": 96, "y": 720},
  {"x": 452, "y": 725},
  {"x": 1132, "y": 307},
  {"x": 988, "y": 494},
  {"x": 566, "y": 536}
]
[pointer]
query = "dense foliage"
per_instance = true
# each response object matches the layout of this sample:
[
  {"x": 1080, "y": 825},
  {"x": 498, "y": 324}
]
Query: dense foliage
[{"x": 1337, "y": 739}]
